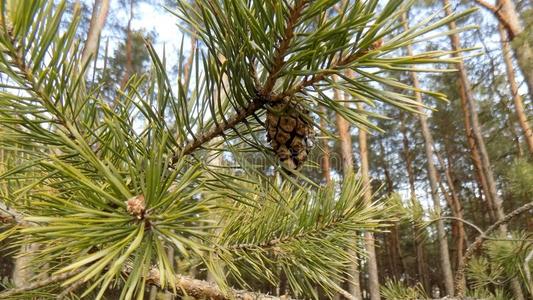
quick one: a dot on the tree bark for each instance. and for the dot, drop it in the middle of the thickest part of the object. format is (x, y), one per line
(345, 139)
(480, 142)
(517, 99)
(444, 254)
(505, 12)
(98, 19)
(373, 279)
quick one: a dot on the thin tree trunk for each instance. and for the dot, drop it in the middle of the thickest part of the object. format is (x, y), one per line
(454, 230)
(505, 12)
(517, 99)
(444, 254)
(476, 130)
(98, 19)
(373, 279)
(475, 156)
(345, 139)
(188, 66)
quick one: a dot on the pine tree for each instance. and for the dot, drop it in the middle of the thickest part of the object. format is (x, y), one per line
(103, 191)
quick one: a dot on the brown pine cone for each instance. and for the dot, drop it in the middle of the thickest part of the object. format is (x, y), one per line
(290, 133)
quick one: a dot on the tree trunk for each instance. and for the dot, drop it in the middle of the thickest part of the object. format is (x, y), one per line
(474, 154)
(354, 286)
(478, 137)
(373, 279)
(476, 127)
(517, 99)
(444, 254)
(505, 12)
(98, 19)
(188, 66)
(422, 271)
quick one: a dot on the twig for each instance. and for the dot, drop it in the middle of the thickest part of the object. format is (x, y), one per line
(460, 220)
(64, 294)
(460, 273)
(219, 129)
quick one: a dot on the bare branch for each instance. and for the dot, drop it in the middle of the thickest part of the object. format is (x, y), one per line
(496, 10)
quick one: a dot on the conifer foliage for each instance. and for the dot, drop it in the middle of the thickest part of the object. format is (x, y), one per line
(104, 187)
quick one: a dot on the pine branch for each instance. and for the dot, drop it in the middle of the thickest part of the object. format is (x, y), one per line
(259, 102)
(275, 242)
(323, 74)
(218, 130)
(26, 73)
(294, 15)
(200, 289)
(264, 96)
(184, 285)
(459, 276)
